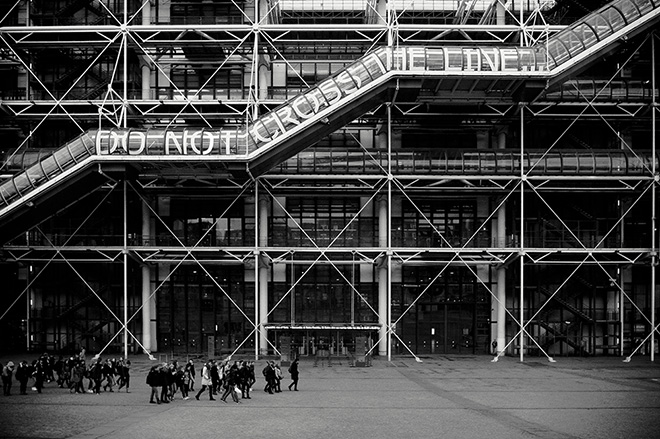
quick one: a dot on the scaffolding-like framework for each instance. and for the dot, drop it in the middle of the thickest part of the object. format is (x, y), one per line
(142, 64)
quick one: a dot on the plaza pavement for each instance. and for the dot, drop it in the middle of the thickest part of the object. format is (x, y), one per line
(451, 397)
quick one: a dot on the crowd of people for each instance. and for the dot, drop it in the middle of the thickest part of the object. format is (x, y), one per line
(225, 379)
(71, 374)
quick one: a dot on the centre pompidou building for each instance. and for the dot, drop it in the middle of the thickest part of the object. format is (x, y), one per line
(352, 177)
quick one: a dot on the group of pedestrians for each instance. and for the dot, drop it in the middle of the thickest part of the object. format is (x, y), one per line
(166, 379)
(227, 378)
(219, 378)
(39, 370)
(99, 373)
(273, 375)
(71, 373)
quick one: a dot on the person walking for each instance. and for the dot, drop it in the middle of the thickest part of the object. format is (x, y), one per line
(244, 379)
(251, 376)
(180, 381)
(39, 374)
(153, 381)
(124, 374)
(278, 378)
(7, 375)
(23, 373)
(293, 370)
(269, 375)
(165, 381)
(191, 363)
(77, 375)
(231, 382)
(96, 375)
(215, 377)
(206, 381)
(187, 379)
(108, 374)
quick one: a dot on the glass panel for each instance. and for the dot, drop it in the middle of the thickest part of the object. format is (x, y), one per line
(573, 42)
(636, 165)
(536, 163)
(63, 158)
(306, 161)
(644, 5)
(22, 183)
(471, 161)
(614, 18)
(600, 26)
(557, 51)
(236, 225)
(553, 163)
(629, 10)
(586, 34)
(360, 73)
(36, 174)
(222, 231)
(50, 166)
(435, 60)
(603, 163)
(5, 195)
(586, 163)
(527, 59)
(504, 162)
(619, 164)
(570, 162)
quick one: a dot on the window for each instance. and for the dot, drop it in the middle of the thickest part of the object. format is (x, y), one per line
(437, 223)
(325, 221)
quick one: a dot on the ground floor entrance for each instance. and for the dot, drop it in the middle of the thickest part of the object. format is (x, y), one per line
(444, 328)
(321, 341)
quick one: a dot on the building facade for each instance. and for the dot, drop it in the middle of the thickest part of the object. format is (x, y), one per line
(352, 177)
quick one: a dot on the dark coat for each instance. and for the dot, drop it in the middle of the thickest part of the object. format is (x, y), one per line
(153, 379)
(293, 370)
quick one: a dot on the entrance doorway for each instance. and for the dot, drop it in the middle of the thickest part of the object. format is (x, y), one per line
(437, 328)
(313, 340)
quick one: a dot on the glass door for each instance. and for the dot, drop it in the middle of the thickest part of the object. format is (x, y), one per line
(459, 327)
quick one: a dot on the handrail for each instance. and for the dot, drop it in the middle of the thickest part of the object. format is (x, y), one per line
(471, 162)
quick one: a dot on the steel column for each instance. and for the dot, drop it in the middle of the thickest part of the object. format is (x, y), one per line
(257, 322)
(501, 271)
(146, 281)
(522, 230)
(653, 201)
(382, 271)
(389, 233)
(262, 207)
(125, 254)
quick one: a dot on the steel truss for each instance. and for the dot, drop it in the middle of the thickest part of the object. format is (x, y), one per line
(257, 43)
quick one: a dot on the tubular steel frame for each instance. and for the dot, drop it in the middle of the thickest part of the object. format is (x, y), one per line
(118, 108)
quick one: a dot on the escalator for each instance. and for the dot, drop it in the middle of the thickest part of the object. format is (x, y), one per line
(333, 103)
